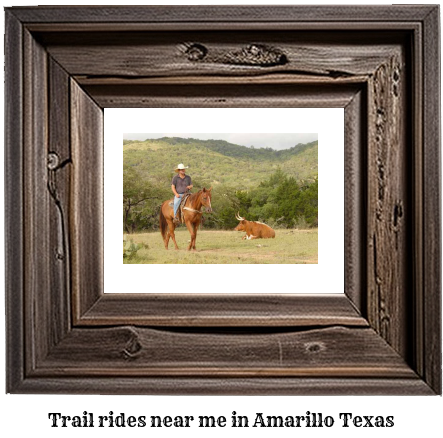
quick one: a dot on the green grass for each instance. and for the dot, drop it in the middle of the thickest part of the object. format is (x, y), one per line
(223, 247)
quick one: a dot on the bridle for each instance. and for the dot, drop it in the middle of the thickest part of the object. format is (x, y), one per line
(193, 210)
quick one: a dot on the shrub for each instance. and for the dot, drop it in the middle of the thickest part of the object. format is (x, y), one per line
(130, 248)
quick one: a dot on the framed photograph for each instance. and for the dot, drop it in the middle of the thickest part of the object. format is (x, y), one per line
(225, 187)
(375, 326)
(270, 179)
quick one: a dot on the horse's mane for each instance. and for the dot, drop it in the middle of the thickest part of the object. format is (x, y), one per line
(194, 196)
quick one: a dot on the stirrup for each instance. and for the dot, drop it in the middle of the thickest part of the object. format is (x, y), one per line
(176, 220)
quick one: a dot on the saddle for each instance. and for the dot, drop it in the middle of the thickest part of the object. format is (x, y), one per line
(180, 207)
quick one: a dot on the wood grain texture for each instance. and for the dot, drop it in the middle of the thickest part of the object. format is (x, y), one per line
(59, 166)
(231, 26)
(232, 310)
(37, 259)
(14, 239)
(431, 318)
(170, 54)
(55, 92)
(355, 187)
(225, 96)
(288, 386)
(388, 204)
(275, 78)
(128, 351)
(417, 358)
(227, 14)
(86, 208)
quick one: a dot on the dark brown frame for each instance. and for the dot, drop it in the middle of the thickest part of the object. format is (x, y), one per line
(64, 65)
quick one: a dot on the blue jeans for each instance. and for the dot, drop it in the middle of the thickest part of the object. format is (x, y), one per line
(177, 203)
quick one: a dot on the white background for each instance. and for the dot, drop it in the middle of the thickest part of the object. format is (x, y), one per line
(26, 415)
(325, 277)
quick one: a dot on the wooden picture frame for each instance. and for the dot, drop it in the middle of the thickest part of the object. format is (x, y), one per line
(379, 63)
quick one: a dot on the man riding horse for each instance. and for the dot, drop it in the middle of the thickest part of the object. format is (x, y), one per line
(192, 208)
(181, 183)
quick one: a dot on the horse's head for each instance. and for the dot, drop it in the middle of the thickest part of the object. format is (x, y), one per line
(206, 199)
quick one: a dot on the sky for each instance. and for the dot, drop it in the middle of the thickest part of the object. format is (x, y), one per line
(274, 141)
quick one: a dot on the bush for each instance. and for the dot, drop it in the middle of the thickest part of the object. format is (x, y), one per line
(130, 248)
(301, 224)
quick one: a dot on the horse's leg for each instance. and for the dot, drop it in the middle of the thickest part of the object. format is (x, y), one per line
(195, 235)
(191, 229)
(171, 233)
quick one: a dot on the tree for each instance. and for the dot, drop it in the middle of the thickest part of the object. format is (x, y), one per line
(136, 191)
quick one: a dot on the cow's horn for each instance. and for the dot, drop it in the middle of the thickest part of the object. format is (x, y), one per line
(239, 218)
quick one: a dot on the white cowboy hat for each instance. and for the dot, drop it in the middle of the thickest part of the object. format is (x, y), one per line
(180, 167)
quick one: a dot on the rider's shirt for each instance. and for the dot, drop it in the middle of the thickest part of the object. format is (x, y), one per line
(181, 184)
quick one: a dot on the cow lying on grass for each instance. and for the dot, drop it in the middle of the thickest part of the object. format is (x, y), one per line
(254, 230)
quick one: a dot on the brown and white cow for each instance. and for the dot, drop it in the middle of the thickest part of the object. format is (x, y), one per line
(254, 230)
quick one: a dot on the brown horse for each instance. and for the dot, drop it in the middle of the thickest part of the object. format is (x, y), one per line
(192, 216)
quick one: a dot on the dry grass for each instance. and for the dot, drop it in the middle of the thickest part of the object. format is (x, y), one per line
(222, 247)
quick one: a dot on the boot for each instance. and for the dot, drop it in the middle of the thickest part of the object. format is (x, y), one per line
(176, 220)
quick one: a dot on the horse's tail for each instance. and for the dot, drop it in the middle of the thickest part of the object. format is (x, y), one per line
(163, 223)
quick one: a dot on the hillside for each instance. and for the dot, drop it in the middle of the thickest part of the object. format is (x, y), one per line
(213, 162)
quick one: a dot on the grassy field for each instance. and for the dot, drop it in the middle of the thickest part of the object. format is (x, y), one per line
(289, 246)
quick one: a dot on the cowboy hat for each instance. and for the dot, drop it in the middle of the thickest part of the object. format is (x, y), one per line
(180, 167)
